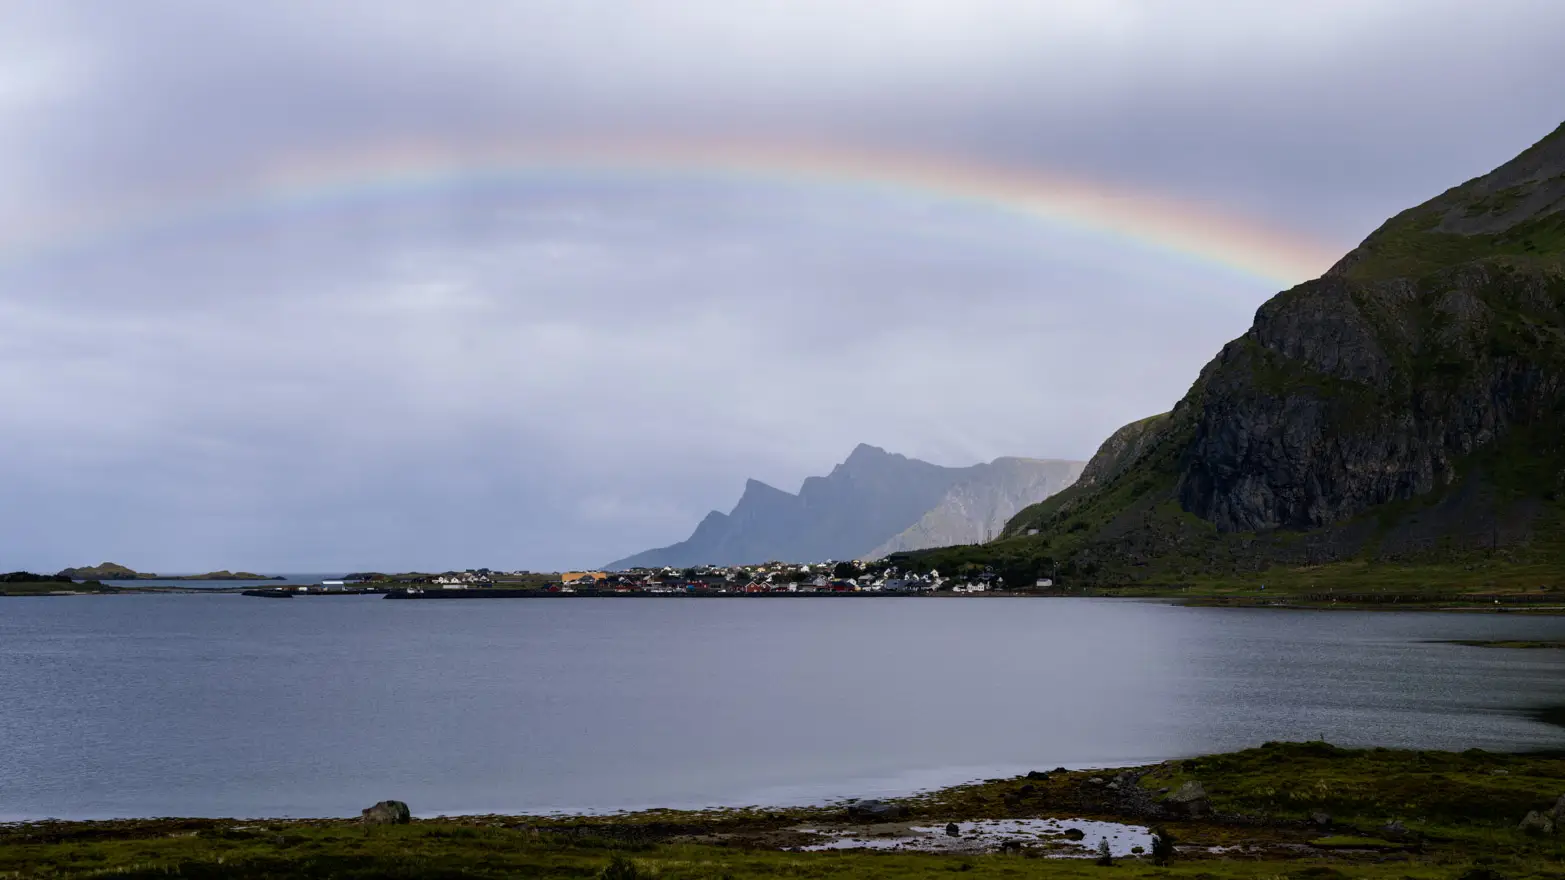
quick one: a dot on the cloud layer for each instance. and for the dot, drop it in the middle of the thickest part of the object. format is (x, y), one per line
(557, 372)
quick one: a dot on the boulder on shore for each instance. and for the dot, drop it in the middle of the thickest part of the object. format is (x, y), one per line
(387, 813)
(873, 809)
(1189, 800)
(1537, 824)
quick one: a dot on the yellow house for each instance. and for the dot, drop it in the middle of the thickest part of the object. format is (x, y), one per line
(571, 577)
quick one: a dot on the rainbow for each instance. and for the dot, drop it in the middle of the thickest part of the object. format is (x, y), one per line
(410, 171)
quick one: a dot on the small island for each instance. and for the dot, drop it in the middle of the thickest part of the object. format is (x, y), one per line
(113, 571)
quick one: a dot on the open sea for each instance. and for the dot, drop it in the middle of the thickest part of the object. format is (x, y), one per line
(222, 705)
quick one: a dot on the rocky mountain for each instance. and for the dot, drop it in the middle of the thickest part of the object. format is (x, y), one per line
(1408, 405)
(977, 507)
(873, 499)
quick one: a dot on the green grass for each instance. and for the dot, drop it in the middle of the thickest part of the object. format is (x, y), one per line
(1460, 812)
(1471, 795)
(46, 588)
(1348, 841)
(431, 850)
(1412, 250)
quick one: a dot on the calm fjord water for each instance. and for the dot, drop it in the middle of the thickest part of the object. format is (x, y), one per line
(228, 706)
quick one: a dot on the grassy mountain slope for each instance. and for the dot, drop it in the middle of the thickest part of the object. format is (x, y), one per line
(1405, 408)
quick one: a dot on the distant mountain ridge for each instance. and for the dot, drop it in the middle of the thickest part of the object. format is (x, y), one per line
(872, 500)
(977, 507)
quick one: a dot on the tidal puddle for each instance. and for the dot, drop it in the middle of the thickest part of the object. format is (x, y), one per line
(992, 835)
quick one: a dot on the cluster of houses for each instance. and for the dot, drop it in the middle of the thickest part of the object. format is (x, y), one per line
(775, 577)
(451, 580)
(826, 577)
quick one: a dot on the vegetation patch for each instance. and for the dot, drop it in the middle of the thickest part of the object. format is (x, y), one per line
(1348, 841)
(1448, 814)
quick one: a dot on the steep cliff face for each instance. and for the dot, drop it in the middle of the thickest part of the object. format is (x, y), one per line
(1411, 400)
(1439, 335)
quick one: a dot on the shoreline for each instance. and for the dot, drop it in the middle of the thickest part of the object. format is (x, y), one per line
(1275, 809)
(1523, 604)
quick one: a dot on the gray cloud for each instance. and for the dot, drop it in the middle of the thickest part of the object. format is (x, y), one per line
(559, 372)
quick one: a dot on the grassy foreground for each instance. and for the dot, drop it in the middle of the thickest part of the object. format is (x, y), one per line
(1392, 814)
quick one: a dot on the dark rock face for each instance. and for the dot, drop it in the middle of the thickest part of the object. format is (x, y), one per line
(387, 813)
(1436, 337)
(1348, 394)
(1428, 364)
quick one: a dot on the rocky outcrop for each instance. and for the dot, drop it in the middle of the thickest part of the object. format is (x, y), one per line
(1189, 800)
(387, 813)
(1346, 394)
(875, 811)
(1409, 402)
(1437, 337)
(1536, 824)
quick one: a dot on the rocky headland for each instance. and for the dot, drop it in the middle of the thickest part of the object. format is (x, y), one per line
(1406, 408)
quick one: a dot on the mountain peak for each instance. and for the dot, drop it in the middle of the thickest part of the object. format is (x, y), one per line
(864, 451)
(868, 499)
(755, 490)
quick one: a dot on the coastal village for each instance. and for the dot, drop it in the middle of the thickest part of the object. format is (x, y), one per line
(883, 576)
(774, 577)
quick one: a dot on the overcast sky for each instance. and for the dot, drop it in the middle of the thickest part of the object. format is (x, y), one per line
(559, 371)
